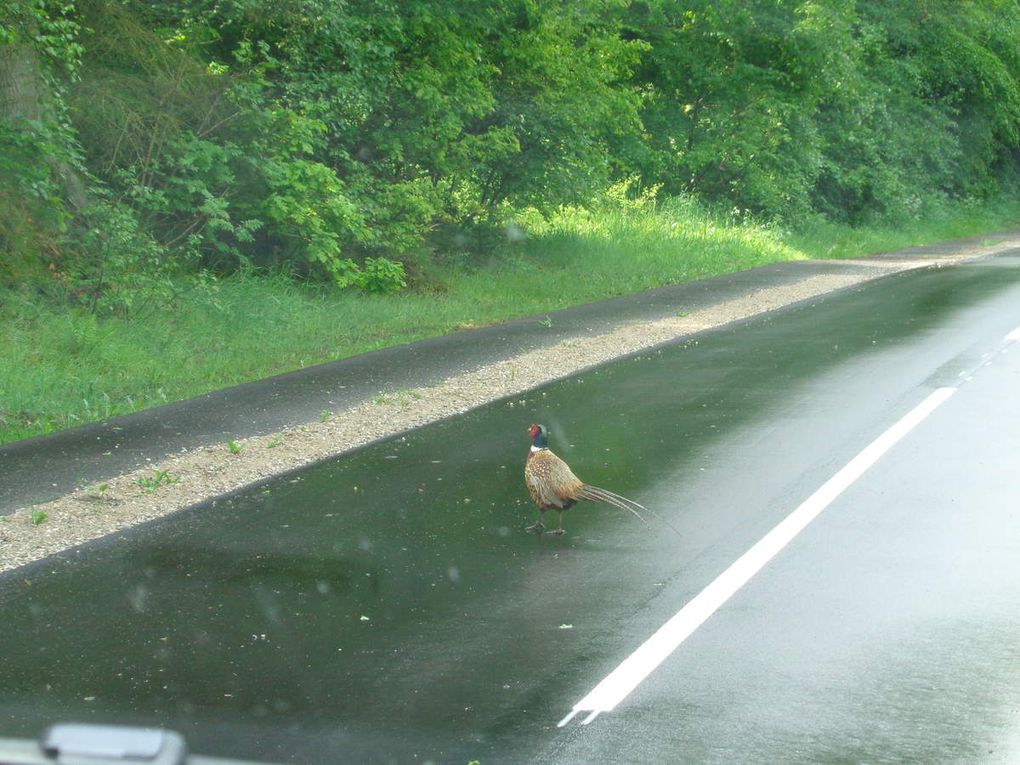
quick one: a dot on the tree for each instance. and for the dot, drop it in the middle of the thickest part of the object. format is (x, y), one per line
(38, 154)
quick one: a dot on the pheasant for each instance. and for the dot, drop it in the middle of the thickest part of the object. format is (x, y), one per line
(553, 485)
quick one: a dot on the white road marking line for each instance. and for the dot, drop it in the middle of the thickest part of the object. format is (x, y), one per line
(1014, 336)
(619, 683)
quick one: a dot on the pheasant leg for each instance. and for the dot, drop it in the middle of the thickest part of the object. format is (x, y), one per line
(537, 527)
(559, 526)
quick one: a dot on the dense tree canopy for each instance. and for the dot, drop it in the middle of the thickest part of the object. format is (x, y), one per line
(348, 139)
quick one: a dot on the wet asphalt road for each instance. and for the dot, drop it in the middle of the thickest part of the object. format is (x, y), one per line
(387, 606)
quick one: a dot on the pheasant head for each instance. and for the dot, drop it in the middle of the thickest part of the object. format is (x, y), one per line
(539, 439)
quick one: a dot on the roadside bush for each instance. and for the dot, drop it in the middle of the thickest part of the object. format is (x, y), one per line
(381, 276)
(118, 269)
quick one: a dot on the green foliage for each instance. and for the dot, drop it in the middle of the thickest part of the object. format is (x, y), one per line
(964, 66)
(366, 145)
(49, 27)
(40, 54)
(381, 276)
(151, 484)
(24, 150)
(725, 102)
(32, 213)
(118, 268)
(307, 203)
(851, 109)
(431, 114)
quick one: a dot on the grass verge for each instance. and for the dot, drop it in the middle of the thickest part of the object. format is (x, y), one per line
(61, 367)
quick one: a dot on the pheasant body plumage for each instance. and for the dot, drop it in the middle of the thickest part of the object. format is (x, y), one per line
(553, 485)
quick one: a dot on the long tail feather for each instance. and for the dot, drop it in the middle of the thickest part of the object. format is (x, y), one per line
(598, 494)
(595, 494)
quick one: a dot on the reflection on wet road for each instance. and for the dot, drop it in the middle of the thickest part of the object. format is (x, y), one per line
(388, 607)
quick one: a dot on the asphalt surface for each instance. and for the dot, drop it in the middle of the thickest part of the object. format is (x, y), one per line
(387, 606)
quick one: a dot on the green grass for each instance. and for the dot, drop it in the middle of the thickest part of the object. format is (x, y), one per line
(149, 484)
(62, 367)
(945, 222)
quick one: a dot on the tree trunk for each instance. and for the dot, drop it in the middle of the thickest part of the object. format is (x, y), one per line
(25, 103)
(20, 81)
